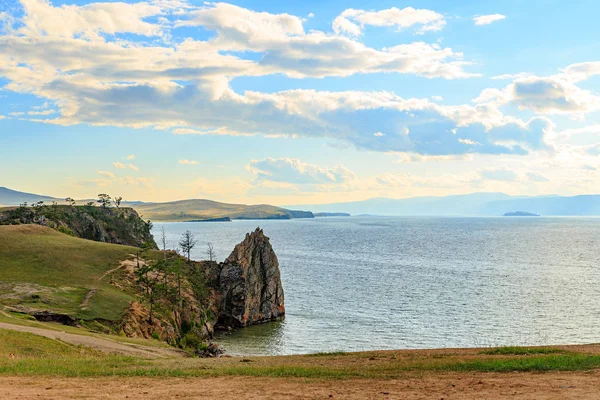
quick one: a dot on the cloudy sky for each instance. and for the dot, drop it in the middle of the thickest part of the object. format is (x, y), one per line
(299, 102)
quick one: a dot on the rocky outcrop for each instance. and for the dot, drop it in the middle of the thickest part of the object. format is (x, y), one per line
(250, 284)
(101, 224)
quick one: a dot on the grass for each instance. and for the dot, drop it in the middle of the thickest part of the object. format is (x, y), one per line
(516, 351)
(55, 272)
(32, 347)
(38, 356)
(27, 320)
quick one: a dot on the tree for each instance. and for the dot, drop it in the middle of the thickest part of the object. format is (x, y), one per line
(105, 200)
(187, 243)
(118, 201)
(70, 201)
(210, 252)
(149, 276)
(163, 241)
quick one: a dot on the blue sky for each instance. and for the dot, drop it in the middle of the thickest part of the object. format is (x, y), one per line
(299, 102)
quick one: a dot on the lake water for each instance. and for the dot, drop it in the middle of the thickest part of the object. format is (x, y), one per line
(364, 283)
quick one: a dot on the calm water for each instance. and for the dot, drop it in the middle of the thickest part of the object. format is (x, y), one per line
(364, 283)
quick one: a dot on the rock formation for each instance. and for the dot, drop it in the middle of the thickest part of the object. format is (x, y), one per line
(250, 284)
(110, 225)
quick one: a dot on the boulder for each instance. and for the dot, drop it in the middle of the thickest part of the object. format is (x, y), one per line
(250, 284)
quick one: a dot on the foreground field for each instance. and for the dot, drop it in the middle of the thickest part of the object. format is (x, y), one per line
(427, 386)
(32, 366)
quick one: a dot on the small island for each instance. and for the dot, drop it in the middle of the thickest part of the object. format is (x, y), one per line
(331, 214)
(521, 214)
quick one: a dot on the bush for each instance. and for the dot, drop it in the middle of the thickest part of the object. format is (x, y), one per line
(192, 340)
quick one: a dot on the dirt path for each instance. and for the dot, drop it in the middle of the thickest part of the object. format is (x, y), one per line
(105, 345)
(88, 296)
(129, 263)
(449, 386)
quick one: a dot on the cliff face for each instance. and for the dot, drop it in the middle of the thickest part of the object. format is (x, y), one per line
(109, 225)
(250, 284)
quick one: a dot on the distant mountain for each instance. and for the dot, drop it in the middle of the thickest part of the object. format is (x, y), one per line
(468, 204)
(9, 197)
(475, 204)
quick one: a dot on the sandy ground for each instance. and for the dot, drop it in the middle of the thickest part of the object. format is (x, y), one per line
(578, 385)
(105, 345)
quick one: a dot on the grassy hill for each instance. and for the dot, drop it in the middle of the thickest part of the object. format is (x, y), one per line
(189, 210)
(43, 269)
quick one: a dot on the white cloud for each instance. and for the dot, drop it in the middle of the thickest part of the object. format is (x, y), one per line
(555, 94)
(352, 21)
(94, 75)
(133, 167)
(2, 117)
(488, 19)
(409, 125)
(88, 21)
(136, 181)
(500, 174)
(131, 157)
(582, 71)
(535, 177)
(188, 162)
(42, 113)
(119, 165)
(378, 134)
(107, 174)
(294, 171)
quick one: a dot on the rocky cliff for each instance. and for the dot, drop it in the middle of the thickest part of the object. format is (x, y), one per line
(249, 284)
(109, 225)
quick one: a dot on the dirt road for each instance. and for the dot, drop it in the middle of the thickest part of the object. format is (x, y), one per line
(577, 385)
(106, 345)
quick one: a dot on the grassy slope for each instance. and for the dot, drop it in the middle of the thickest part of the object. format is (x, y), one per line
(64, 267)
(186, 210)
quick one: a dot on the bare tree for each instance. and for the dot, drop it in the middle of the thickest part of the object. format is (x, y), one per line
(117, 201)
(210, 252)
(163, 240)
(105, 200)
(187, 243)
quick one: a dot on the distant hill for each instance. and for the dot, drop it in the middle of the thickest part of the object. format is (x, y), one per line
(475, 204)
(558, 205)
(183, 210)
(9, 197)
(520, 214)
(200, 209)
(330, 214)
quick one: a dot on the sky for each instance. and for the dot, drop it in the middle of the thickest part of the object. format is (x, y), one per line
(299, 102)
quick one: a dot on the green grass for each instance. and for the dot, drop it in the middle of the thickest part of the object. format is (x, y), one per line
(514, 350)
(65, 268)
(563, 362)
(327, 354)
(29, 346)
(38, 356)
(27, 320)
